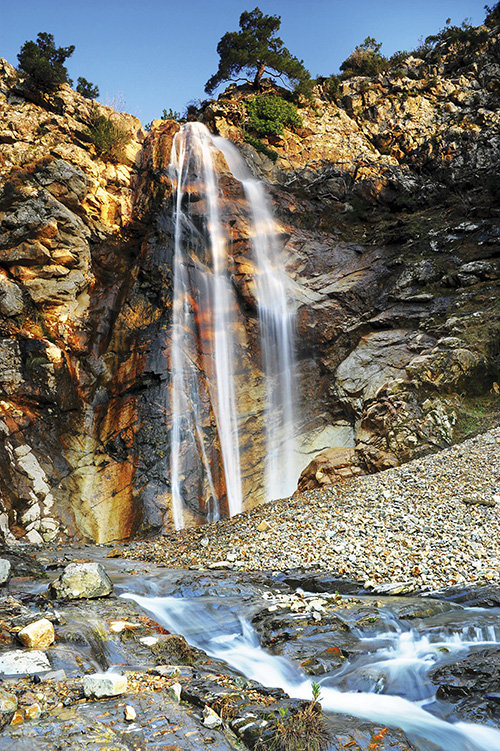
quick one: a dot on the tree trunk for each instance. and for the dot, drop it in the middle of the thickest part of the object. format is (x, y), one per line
(260, 72)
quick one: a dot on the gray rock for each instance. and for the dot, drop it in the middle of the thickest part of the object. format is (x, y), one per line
(11, 298)
(104, 684)
(5, 569)
(174, 691)
(82, 580)
(19, 662)
(211, 719)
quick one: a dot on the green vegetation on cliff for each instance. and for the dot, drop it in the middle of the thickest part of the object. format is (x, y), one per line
(267, 114)
(44, 64)
(109, 140)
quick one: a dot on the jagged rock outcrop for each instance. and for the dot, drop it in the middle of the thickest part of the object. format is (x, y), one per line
(425, 126)
(71, 230)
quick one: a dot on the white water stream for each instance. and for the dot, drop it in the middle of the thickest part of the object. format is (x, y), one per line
(206, 351)
(233, 639)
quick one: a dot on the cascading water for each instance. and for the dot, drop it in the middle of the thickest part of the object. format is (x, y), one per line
(222, 635)
(212, 357)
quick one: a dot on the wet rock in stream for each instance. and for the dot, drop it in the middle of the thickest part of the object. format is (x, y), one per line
(472, 685)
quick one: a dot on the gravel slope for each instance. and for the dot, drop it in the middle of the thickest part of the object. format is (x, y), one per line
(431, 523)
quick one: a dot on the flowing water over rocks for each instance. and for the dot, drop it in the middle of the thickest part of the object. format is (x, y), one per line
(405, 673)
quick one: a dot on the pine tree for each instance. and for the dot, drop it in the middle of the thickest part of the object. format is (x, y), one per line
(255, 50)
(44, 62)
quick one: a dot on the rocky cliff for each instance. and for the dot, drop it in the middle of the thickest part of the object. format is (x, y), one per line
(79, 310)
(387, 197)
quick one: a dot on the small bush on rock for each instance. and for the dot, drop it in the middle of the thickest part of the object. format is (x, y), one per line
(87, 89)
(305, 730)
(331, 87)
(365, 60)
(459, 39)
(109, 140)
(268, 114)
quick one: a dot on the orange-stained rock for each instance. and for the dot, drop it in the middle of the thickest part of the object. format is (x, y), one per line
(37, 635)
(330, 467)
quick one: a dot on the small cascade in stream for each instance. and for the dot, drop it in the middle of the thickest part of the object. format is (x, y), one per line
(232, 383)
(223, 635)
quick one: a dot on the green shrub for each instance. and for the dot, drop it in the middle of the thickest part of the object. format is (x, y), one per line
(461, 39)
(268, 114)
(87, 89)
(171, 115)
(398, 58)
(365, 60)
(493, 15)
(331, 87)
(109, 140)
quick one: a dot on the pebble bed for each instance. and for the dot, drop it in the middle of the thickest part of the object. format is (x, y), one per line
(431, 523)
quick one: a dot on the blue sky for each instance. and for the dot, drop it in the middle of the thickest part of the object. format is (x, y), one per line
(147, 55)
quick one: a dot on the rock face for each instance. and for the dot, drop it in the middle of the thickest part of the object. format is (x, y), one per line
(74, 353)
(431, 118)
(386, 202)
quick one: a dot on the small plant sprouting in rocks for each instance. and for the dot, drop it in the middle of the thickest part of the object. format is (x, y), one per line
(108, 138)
(305, 730)
(316, 692)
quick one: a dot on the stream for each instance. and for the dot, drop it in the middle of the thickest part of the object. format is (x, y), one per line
(387, 681)
(426, 667)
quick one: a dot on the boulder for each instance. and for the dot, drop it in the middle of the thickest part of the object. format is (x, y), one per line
(471, 685)
(82, 580)
(19, 662)
(329, 467)
(37, 635)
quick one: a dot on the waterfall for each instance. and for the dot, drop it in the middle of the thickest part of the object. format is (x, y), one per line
(220, 405)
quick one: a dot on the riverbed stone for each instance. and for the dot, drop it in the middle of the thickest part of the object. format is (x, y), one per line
(104, 684)
(130, 714)
(8, 702)
(19, 662)
(37, 635)
(82, 580)
(211, 719)
(175, 691)
(5, 570)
